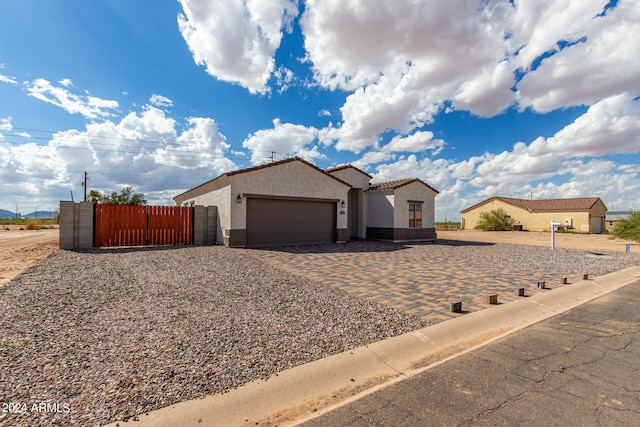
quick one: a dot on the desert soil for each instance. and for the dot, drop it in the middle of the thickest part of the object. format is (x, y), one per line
(20, 249)
(587, 242)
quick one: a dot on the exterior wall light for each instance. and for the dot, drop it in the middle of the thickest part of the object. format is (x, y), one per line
(239, 198)
(342, 203)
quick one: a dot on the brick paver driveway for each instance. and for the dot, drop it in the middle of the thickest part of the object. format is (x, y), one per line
(420, 279)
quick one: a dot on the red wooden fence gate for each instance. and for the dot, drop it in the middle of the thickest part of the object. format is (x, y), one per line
(123, 225)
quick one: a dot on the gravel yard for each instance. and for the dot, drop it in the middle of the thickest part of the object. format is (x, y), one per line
(112, 334)
(107, 335)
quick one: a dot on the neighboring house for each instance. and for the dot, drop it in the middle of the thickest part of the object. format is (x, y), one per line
(613, 217)
(294, 202)
(585, 214)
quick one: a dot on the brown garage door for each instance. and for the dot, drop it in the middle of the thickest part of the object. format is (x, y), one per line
(290, 222)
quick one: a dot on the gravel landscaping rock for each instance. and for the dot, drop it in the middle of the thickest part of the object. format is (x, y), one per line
(94, 337)
(107, 335)
(560, 261)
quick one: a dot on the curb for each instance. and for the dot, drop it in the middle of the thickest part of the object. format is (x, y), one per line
(304, 392)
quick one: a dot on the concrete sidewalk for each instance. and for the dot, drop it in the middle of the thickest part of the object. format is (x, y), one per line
(303, 391)
(579, 368)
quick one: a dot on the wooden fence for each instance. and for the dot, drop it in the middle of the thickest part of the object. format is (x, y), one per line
(123, 225)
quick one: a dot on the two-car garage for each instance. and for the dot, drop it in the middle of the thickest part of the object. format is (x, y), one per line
(283, 221)
(289, 202)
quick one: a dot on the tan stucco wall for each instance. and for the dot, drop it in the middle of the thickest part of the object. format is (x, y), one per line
(418, 192)
(291, 179)
(535, 221)
(379, 208)
(352, 177)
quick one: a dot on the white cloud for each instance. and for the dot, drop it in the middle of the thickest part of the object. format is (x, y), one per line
(8, 79)
(66, 82)
(603, 65)
(144, 150)
(236, 41)
(5, 124)
(402, 63)
(559, 166)
(88, 106)
(284, 78)
(610, 126)
(160, 101)
(285, 139)
(417, 142)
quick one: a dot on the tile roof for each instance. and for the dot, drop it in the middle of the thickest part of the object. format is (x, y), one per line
(575, 204)
(264, 166)
(349, 166)
(397, 183)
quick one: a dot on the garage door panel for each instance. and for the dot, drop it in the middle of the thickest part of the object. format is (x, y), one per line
(282, 222)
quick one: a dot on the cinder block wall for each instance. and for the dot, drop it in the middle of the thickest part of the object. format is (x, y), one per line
(76, 225)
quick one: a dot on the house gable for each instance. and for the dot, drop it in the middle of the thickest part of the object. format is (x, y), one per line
(351, 174)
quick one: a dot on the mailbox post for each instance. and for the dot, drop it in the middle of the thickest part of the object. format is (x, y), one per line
(553, 234)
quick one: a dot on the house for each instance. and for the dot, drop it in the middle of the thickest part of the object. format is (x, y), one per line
(613, 217)
(585, 214)
(295, 202)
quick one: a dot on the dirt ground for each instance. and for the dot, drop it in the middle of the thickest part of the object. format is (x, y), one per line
(20, 249)
(587, 242)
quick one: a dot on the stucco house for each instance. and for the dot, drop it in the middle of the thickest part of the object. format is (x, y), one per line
(613, 217)
(295, 202)
(586, 214)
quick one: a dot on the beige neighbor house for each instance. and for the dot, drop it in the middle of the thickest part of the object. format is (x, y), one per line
(585, 214)
(294, 202)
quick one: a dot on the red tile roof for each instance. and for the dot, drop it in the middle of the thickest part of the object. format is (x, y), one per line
(575, 204)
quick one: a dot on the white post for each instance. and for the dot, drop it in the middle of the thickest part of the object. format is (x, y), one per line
(553, 234)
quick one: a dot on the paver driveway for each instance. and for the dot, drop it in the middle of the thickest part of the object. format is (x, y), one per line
(420, 279)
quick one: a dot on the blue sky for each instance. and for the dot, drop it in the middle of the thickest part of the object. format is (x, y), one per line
(477, 98)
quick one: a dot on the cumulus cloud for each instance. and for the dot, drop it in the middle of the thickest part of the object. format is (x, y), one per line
(90, 107)
(236, 41)
(402, 64)
(285, 139)
(602, 65)
(417, 142)
(144, 150)
(567, 164)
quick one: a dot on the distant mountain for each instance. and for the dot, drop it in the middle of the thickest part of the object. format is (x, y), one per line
(40, 214)
(7, 214)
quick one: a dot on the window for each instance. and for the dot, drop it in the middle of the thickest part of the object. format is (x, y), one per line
(415, 215)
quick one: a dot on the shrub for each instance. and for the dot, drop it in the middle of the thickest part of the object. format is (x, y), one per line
(495, 220)
(33, 224)
(628, 228)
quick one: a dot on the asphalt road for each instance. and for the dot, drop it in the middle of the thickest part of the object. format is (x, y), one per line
(580, 368)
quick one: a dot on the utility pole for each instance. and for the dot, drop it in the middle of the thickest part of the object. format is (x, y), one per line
(84, 184)
(272, 153)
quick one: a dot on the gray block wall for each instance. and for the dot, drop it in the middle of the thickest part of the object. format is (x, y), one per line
(76, 225)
